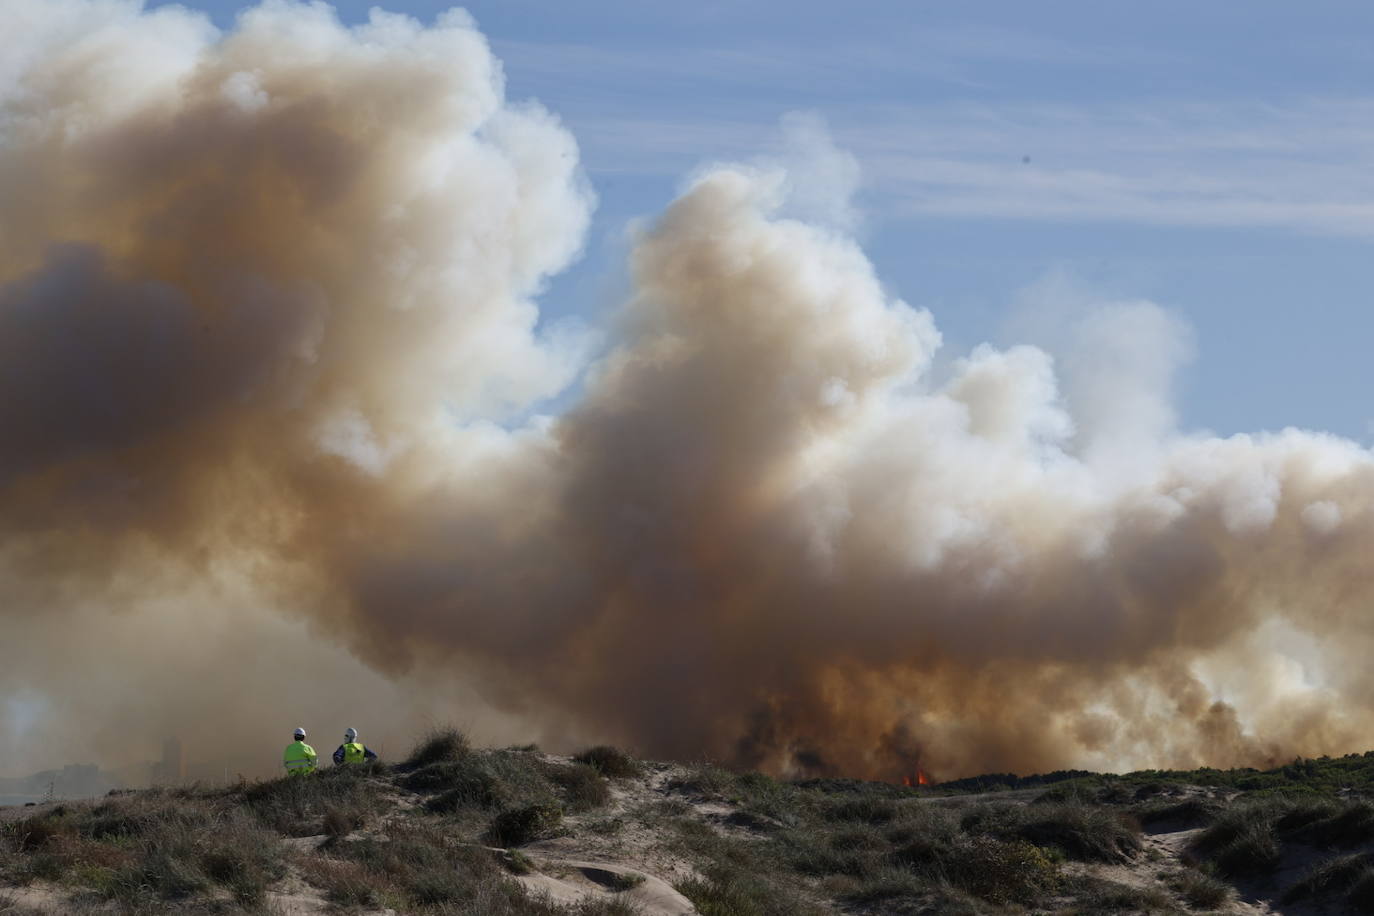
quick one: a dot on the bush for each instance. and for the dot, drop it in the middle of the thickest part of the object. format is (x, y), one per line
(39, 832)
(885, 886)
(1186, 813)
(704, 781)
(1241, 841)
(439, 746)
(242, 857)
(439, 777)
(1305, 812)
(1348, 826)
(1255, 851)
(523, 777)
(296, 805)
(340, 822)
(1098, 895)
(517, 862)
(610, 762)
(727, 890)
(857, 852)
(1199, 891)
(1332, 876)
(467, 783)
(583, 786)
(519, 826)
(862, 808)
(347, 884)
(999, 871)
(1082, 832)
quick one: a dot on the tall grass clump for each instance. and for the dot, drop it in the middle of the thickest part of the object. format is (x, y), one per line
(441, 745)
(518, 826)
(610, 762)
(1241, 841)
(583, 787)
(298, 805)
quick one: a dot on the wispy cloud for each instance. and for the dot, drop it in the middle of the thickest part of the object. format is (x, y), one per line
(816, 65)
(1305, 165)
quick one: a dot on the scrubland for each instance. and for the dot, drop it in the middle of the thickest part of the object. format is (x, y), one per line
(459, 830)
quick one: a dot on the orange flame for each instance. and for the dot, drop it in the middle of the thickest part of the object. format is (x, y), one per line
(920, 779)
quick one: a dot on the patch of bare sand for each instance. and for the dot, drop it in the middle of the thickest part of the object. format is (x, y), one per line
(36, 899)
(571, 882)
(606, 848)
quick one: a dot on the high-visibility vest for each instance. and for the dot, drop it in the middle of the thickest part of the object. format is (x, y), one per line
(354, 752)
(299, 758)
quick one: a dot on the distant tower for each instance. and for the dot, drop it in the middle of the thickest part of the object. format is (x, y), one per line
(173, 768)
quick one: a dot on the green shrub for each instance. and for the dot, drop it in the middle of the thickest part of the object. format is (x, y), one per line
(340, 822)
(523, 777)
(704, 781)
(1254, 851)
(886, 885)
(863, 808)
(1098, 895)
(1351, 825)
(518, 863)
(1306, 812)
(1188, 812)
(1200, 891)
(998, 871)
(519, 826)
(1082, 832)
(728, 890)
(467, 783)
(583, 786)
(610, 762)
(39, 832)
(1239, 820)
(296, 805)
(1334, 875)
(476, 795)
(856, 851)
(439, 746)
(347, 884)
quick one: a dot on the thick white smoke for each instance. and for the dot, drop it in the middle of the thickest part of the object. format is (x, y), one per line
(268, 319)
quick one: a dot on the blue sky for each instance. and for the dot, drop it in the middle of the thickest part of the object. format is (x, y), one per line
(1215, 158)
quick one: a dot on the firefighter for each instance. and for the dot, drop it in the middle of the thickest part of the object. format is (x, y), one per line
(299, 757)
(352, 751)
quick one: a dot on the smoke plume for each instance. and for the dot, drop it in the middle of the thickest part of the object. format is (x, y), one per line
(271, 367)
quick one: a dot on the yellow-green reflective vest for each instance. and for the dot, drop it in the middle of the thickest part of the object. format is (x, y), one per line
(299, 758)
(353, 752)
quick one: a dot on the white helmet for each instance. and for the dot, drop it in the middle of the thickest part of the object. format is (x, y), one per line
(350, 733)
(299, 733)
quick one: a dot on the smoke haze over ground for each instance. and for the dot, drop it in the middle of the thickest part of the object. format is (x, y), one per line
(271, 449)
